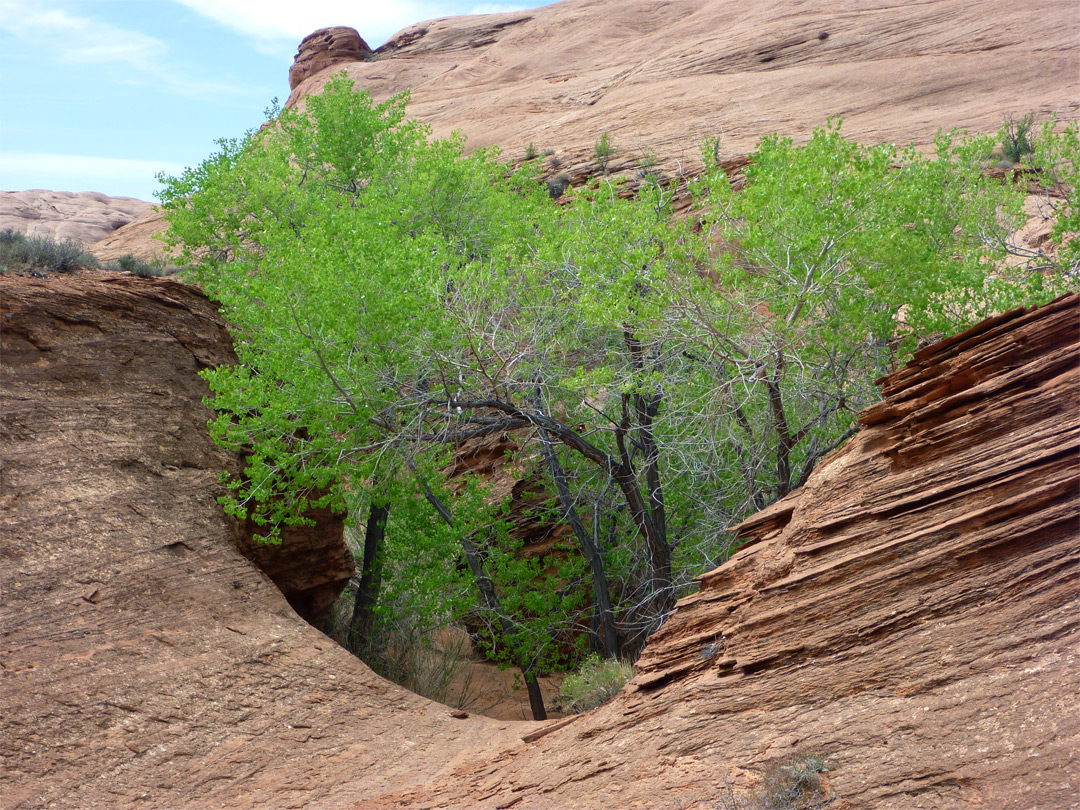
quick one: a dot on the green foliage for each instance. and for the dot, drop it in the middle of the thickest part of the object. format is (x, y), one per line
(332, 240)
(392, 299)
(1016, 139)
(19, 252)
(594, 683)
(603, 150)
(530, 151)
(1056, 159)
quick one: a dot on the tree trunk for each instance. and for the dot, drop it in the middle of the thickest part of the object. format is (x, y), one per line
(367, 591)
(491, 602)
(609, 638)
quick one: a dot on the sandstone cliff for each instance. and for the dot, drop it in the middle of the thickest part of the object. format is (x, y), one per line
(662, 77)
(909, 614)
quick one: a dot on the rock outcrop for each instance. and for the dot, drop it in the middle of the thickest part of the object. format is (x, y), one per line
(85, 216)
(324, 49)
(140, 643)
(135, 238)
(910, 614)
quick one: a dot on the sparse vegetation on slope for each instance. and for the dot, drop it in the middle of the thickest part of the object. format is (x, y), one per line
(22, 253)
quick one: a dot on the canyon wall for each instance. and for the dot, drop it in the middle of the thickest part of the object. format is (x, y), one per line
(909, 615)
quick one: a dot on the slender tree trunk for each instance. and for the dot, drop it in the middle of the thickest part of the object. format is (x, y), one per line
(367, 592)
(783, 432)
(492, 603)
(656, 542)
(609, 637)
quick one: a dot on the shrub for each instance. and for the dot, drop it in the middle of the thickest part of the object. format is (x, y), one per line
(1016, 138)
(530, 151)
(557, 185)
(21, 252)
(795, 783)
(595, 683)
(603, 151)
(155, 268)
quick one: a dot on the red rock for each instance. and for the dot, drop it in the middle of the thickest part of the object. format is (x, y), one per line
(661, 77)
(324, 49)
(910, 613)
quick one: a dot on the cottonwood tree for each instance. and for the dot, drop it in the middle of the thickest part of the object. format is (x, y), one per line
(392, 298)
(329, 238)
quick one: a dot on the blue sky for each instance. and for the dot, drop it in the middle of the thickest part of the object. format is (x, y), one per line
(100, 95)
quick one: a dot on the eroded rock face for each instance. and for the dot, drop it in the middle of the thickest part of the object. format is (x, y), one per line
(324, 49)
(139, 645)
(85, 216)
(911, 614)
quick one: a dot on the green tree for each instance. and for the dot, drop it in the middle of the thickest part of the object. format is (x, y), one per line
(392, 298)
(330, 239)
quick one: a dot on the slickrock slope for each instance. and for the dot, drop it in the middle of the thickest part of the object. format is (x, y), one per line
(144, 661)
(911, 614)
(136, 238)
(662, 77)
(85, 216)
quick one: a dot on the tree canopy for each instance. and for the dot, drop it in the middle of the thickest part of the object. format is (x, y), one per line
(393, 297)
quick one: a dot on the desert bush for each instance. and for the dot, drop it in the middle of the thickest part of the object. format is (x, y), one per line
(21, 252)
(1016, 138)
(530, 151)
(603, 149)
(155, 268)
(794, 784)
(595, 683)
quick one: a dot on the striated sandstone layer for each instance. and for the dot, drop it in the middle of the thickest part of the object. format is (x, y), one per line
(86, 216)
(910, 614)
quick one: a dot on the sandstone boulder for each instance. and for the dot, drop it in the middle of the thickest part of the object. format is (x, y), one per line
(325, 48)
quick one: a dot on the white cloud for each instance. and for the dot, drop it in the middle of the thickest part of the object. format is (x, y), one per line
(83, 40)
(275, 21)
(78, 39)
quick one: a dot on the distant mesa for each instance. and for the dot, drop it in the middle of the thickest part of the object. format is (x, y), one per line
(85, 216)
(325, 48)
